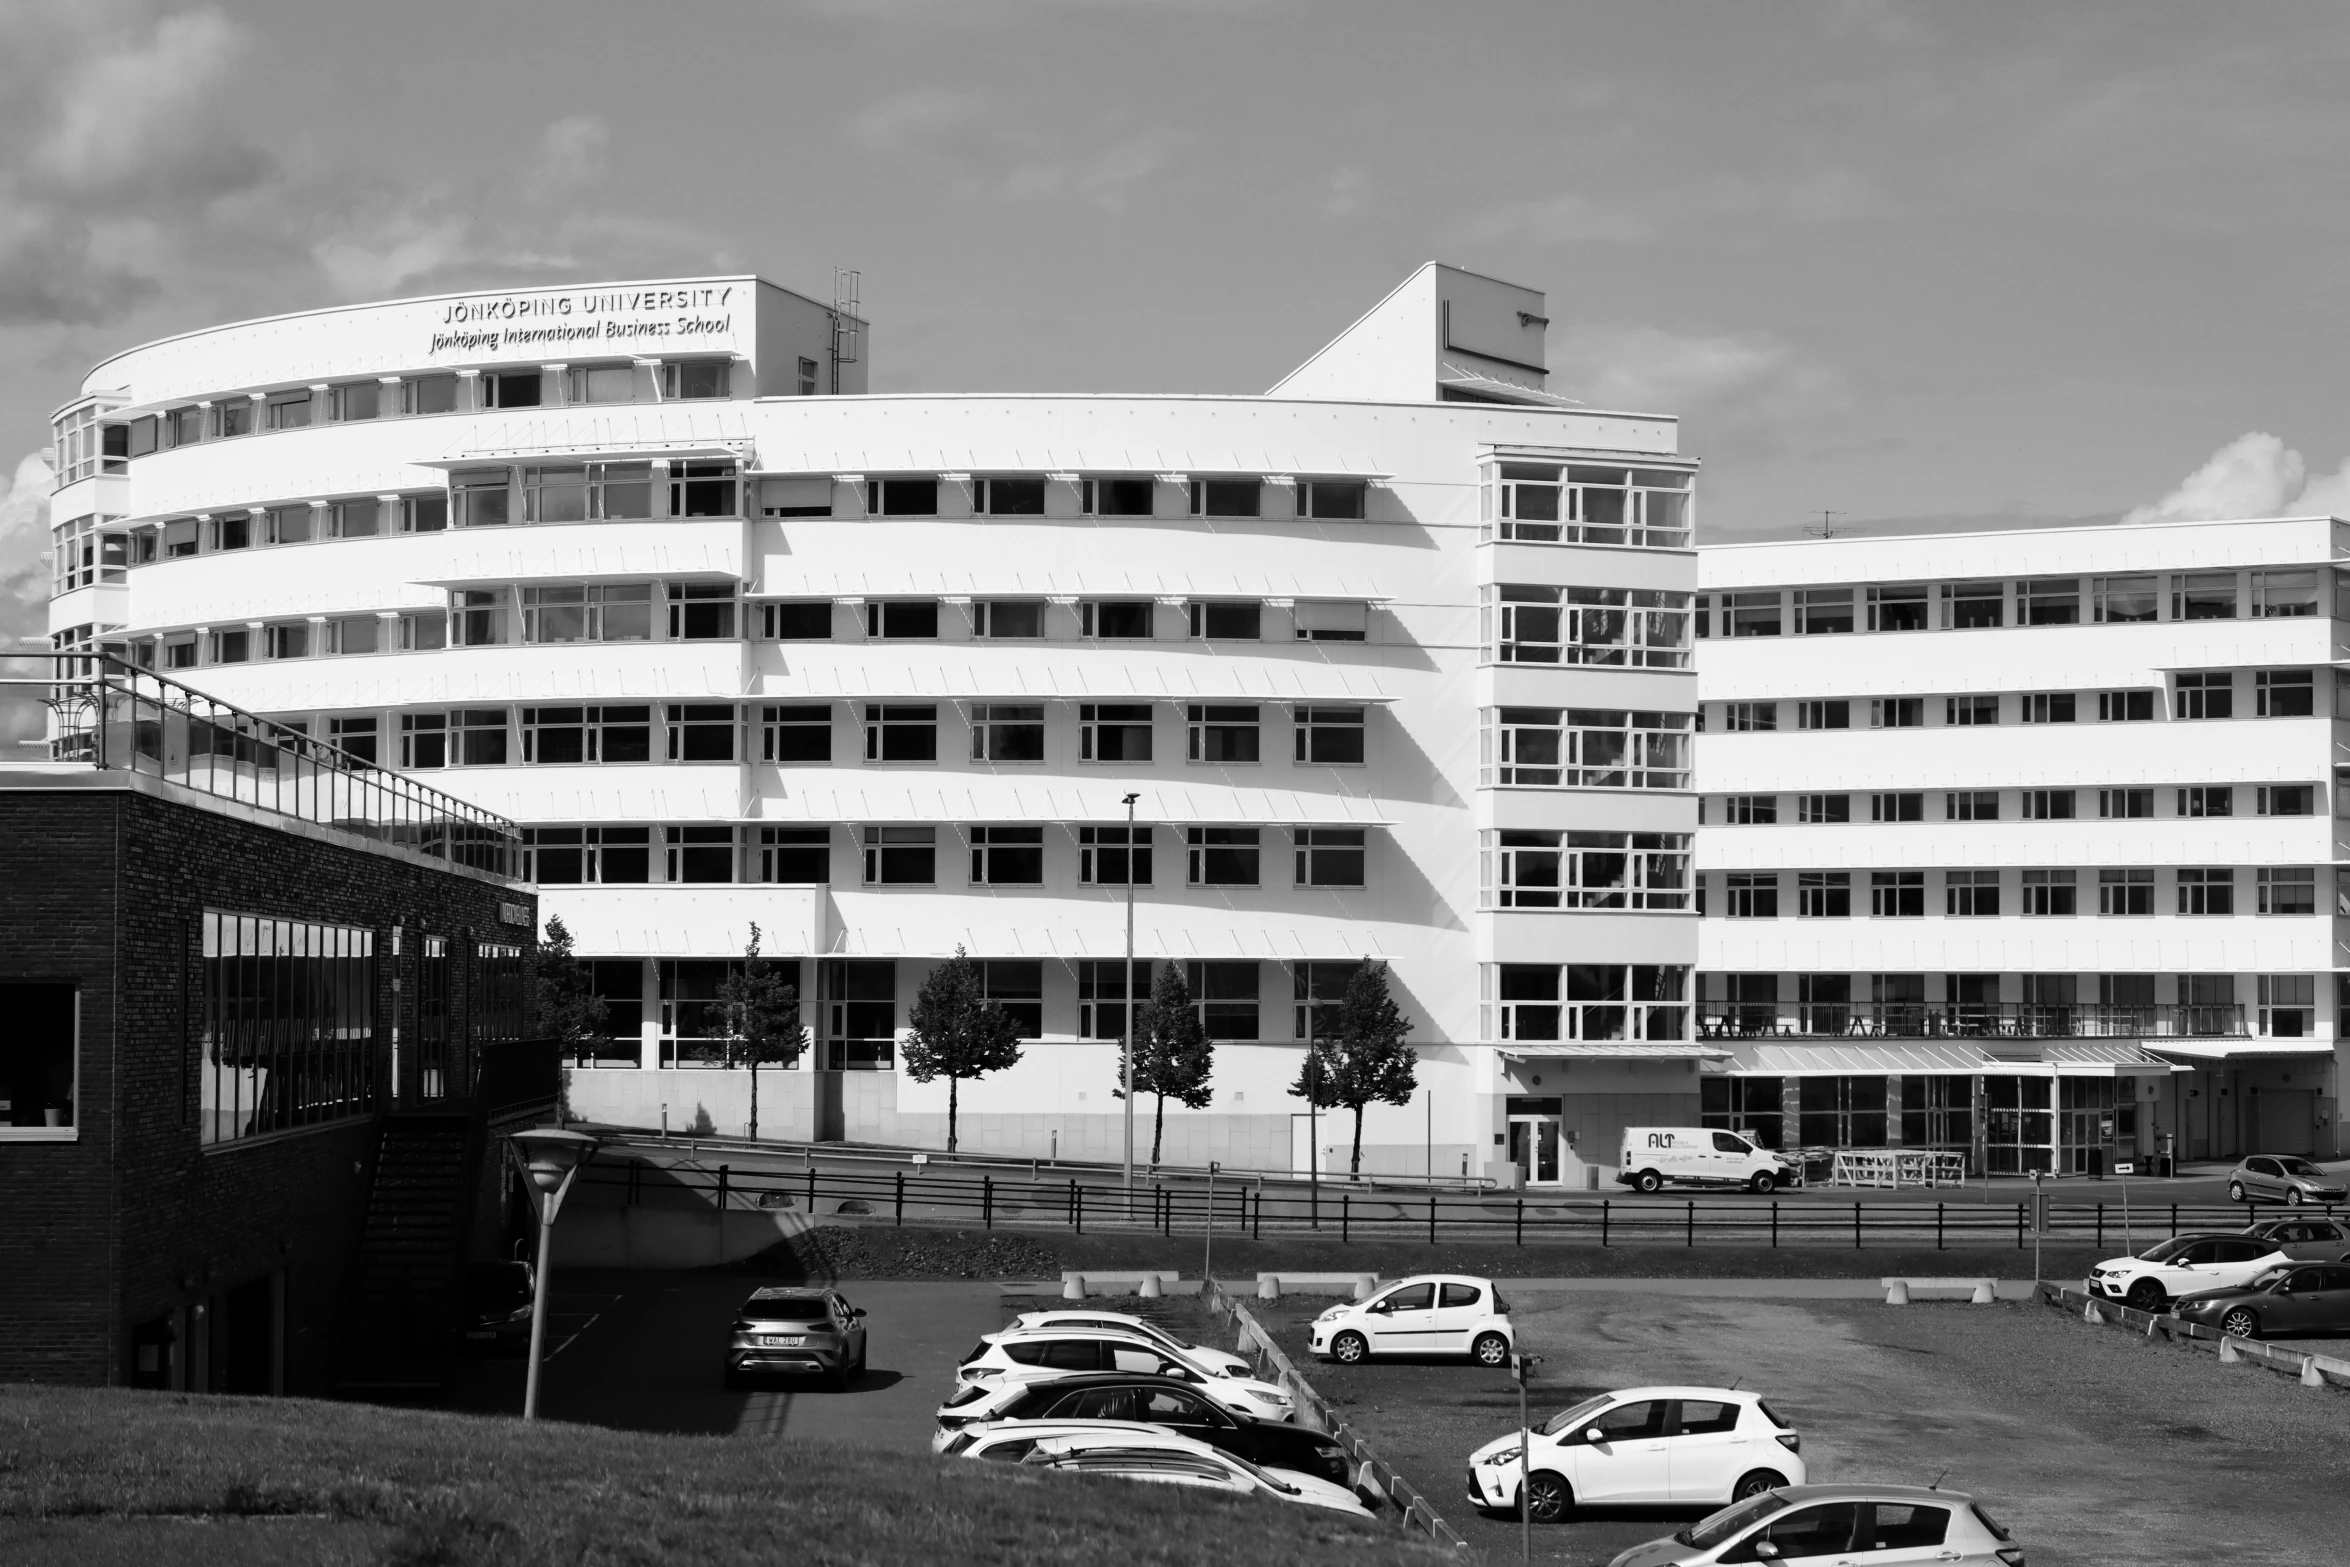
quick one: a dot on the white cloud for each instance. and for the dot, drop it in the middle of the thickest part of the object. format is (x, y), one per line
(1650, 370)
(2254, 475)
(2328, 495)
(137, 101)
(24, 585)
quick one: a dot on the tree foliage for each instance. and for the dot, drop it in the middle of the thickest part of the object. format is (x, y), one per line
(564, 994)
(1173, 1056)
(759, 1011)
(958, 1032)
(1364, 1059)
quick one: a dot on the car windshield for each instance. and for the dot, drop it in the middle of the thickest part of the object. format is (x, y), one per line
(1566, 1418)
(1711, 1531)
(2302, 1167)
(2164, 1251)
(786, 1303)
(2268, 1278)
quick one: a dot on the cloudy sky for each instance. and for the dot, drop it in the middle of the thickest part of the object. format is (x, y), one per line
(1917, 264)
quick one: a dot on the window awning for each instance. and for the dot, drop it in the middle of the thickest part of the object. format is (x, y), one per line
(1038, 678)
(2205, 1051)
(1613, 1050)
(984, 798)
(1011, 580)
(2104, 1058)
(1480, 385)
(557, 454)
(1923, 1058)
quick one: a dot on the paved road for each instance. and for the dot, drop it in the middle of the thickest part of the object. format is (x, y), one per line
(644, 1352)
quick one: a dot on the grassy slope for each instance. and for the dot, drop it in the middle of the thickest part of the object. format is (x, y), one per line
(86, 1472)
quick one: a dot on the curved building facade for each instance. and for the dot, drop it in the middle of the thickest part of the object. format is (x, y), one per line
(1394, 660)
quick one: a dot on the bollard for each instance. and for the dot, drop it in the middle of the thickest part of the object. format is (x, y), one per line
(2228, 1353)
(2310, 1375)
(1898, 1294)
(2089, 1312)
(1150, 1287)
(2152, 1322)
(1983, 1295)
(1268, 1287)
(1073, 1287)
(1365, 1283)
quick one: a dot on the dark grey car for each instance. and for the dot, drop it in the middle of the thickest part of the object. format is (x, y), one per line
(2286, 1301)
(2286, 1178)
(2310, 1238)
(796, 1332)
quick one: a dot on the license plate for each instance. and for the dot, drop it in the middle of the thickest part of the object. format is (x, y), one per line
(781, 1340)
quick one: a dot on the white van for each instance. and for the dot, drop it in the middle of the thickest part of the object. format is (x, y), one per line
(1698, 1156)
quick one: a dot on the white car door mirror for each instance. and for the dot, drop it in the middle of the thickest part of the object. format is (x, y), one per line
(1594, 1434)
(1765, 1551)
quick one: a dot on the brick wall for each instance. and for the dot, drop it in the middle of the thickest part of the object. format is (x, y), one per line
(105, 888)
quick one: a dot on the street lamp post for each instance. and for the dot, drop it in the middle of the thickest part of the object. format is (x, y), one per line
(551, 1159)
(1525, 1369)
(1130, 1004)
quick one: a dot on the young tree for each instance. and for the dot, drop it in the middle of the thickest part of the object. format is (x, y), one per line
(761, 1014)
(1365, 1058)
(958, 1032)
(564, 994)
(1173, 1055)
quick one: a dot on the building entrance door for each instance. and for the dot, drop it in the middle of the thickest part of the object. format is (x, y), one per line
(1534, 1148)
(2287, 1120)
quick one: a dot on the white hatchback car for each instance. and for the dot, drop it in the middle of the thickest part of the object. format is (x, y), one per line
(1428, 1314)
(1040, 1354)
(1826, 1525)
(1643, 1446)
(1229, 1364)
(1166, 1458)
(2183, 1265)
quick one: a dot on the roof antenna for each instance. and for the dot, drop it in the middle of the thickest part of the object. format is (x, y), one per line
(1827, 528)
(1938, 1479)
(1733, 1387)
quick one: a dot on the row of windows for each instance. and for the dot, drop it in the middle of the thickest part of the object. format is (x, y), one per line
(914, 856)
(1583, 748)
(1588, 503)
(1991, 805)
(1588, 1001)
(1624, 627)
(2042, 601)
(2197, 694)
(1584, 870)
(1973, 1003)
(1030, 495)
(2121, 891)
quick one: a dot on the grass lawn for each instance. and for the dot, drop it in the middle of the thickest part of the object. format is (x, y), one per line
(106, 1476)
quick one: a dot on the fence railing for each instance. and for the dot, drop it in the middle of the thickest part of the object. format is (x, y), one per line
(1984, 1020)
(1013, 1202)
(114, 715)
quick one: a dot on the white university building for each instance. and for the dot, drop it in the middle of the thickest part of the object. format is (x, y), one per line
(1400, 660)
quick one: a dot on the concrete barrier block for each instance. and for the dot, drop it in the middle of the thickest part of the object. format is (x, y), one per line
(2228, 1354)
(1365, 1285)
(2090, 1313)
(1898, 1293)
(1268, 1287)
(1073, 1286)
(1150, 1287)
(2310, 1375)
(1984, 1294)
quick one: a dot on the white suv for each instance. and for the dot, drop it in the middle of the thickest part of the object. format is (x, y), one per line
(2183, 1265)
(1429, 1314)
(1214, 1359)
(1642, 1446)
(1041, 1354)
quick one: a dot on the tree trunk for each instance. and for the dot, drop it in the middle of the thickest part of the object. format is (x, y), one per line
(754, 1098)
(1158, 1129)
(954, 1088)
(1356, 1168)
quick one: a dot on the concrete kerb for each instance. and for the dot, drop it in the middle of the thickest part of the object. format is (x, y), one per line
(1270, 1286)
(1412, 1507)
(2309, 1370)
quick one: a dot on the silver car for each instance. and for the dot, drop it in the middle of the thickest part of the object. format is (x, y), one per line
(2285, 1178)
(1816, 1525)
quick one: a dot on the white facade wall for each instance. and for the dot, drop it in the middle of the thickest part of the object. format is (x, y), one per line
(1414, 571)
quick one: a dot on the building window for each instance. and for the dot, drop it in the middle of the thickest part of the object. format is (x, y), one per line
(424, 631)
(1007, 856)
(1001, 620)
(354, 737)
(424, 513)
(232, 416)
(359, 519)
(1897, 895)
(1971, 805)
(179, 538)
(1329, 856)
(1222, 734)
(232, 531)
(701, 611)
(1227, 620)
(2208, 695)
(1970, 710)
(1843, 1112)
(901, 497)
(2125, 707)
(1318, 994)
(795, 734)
(288, 525)
(1528, 997)
(1754, 613)
(1338, 500)
(1586, 870)
(1542, 503)
(2048, 805)
(1971, 894)
(2287, 889)
(2125, 804)
(2284, 693)
(2125, 892)
(1226, 995)
(1102, 989)
(1835, 714)
(1004, 733)
(2203, 595)
(896, 732)
(2286, 594)
(512, 389)
(799, 620)
(1016, 985)
(704, 489)
(2051, 601)
(1115, 619)
(1823, 895)
(600, 384)
(2207, 800)
(1749, 717)
(804, 495)
(1011, 497)
(1823, 611)
(1974, 606)
(1750, 810)
(1907, 805)
(1326, 620)
(1602, 1001)
(807, 378)
(286, 641)
(1751, 895)
(902, 619)
(1221, 856)
(2126, 600)
(603, 612)
(1897, 712)
(2207, 891)
(478, 616)
(1899, 609)
(700, 732)
(1623, 627)
(1527, 867)
(428, 394)
(1114, 731)
(424, 740)
(231, 647)
(2050, 894)
(1607, 748)
(901, 856)
(795, 854)
(858, 1005)
(1118, 497)
(40, 1060)
(1823, 807)
(2287, 799)
(2288, 1005)
(1329, 736)
(1227, 498)
(482, 500)
(686, 380)
(288, 1025)
(1114, 856)
(700, 854)
(2048, 707)
(619, 856)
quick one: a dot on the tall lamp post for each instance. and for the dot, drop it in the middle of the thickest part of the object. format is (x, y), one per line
(1130, 1004)
(551, 1159)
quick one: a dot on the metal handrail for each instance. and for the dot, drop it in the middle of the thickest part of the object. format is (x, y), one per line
(113, 715)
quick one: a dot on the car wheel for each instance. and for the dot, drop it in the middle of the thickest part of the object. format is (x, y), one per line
(2293, 1197)
(2235, 1191)
(1756, 1481)
(1349, 1348)
(2242, 1322)
(1549, 1497)
(1649, 1181)
(1491, 1349)
(840, 1377)
(2145, 1295)
(1764, 1183)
